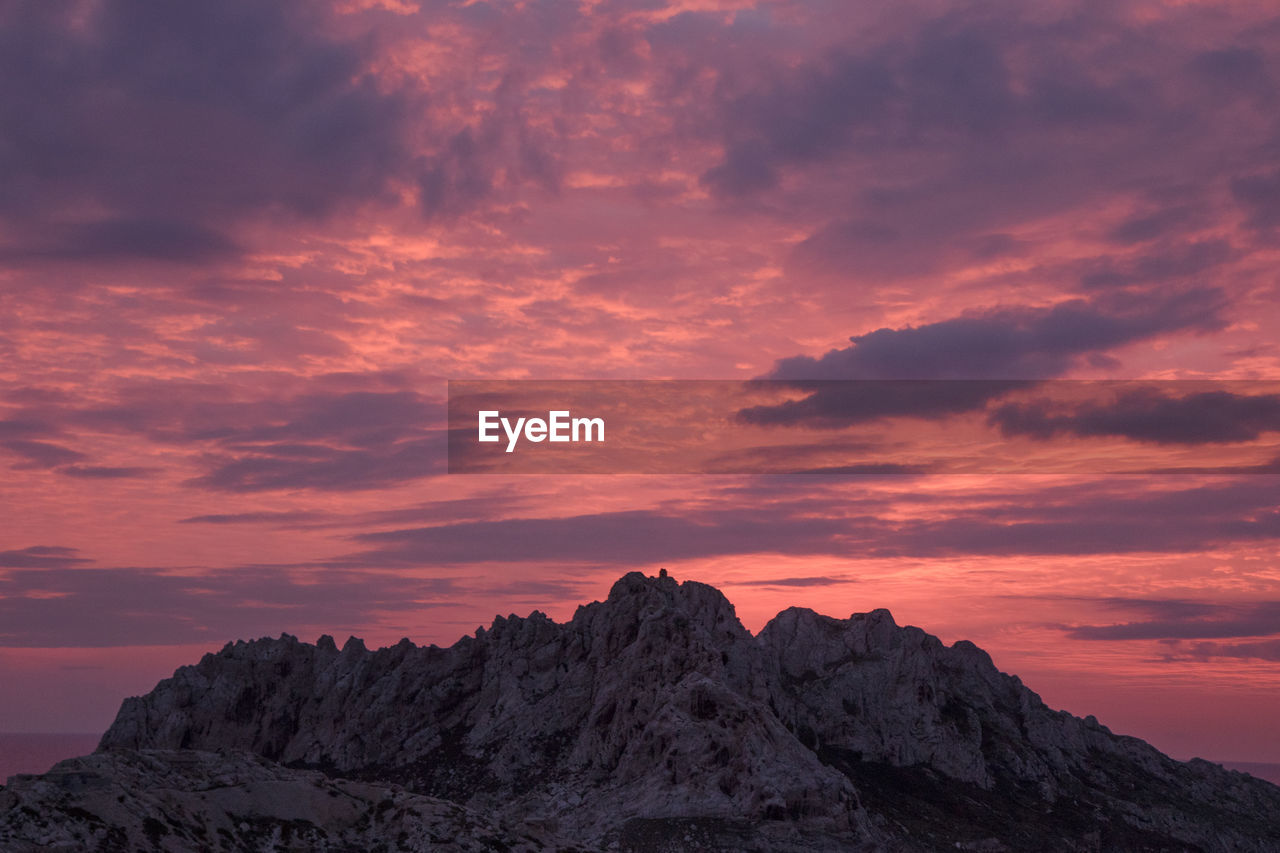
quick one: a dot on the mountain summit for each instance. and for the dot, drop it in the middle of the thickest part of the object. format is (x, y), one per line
(650, 721)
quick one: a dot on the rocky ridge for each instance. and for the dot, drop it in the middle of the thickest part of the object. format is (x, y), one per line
(654, 720)
(188, 800)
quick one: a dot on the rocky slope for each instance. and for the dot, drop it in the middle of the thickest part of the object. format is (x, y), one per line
(654, 720)
(183, 801)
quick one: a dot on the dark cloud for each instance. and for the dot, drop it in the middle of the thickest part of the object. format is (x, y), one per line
(498, 502)
(1098, 518)
(1014, 343)
(105, 472)
(128, 606)
(358, 418)
(1164, 263)
(345, 441)
(1271, 466)
(635, 537)
(1086, 521)
(124, 238)
(901, 146)
(939, 365)
(1268, 650)
(469, 166)
(1177, 619)
(1150, 225)
(868, 469)
(539, 590)
(364, 418)
(790, 582)
(286, 517)
(1259, 195)
(24, 429)
(806, 116)
(458, 509)
(42, 557)
(290, 466)
(42, 454)
(1234, 71)
(949, 79)
(328, 440)
(177, 120)
(144, 129)
(1080, 520)
(31, 394)
(834, 404)
(1149, 415)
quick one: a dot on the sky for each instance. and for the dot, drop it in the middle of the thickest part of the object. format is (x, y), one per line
(243, 247)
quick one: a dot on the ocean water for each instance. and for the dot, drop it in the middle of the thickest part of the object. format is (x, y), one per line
(1270, 772)
(36, 753)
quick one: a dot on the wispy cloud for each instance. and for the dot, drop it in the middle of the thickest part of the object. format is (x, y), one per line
(1180, 619)
(42, 557)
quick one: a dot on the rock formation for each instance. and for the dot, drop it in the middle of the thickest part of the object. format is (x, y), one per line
(654, 720)
(188, 800)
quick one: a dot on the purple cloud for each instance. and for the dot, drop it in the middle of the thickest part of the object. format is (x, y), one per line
(1012, 343)
(1071, 521)
(1148, 415)
(328, 440)
(178, 124)
(283, 518)
(42, 454)
(834, 404)
(1268, 650)
(42, 557)
(105, 472)
(820, 580)
(1180, 619)
(246, 108)
(53, 607)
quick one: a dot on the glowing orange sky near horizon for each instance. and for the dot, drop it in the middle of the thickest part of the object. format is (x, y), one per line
(229, 302)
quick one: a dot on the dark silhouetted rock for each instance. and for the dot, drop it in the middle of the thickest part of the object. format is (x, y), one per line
(655, 721)
(182, 801)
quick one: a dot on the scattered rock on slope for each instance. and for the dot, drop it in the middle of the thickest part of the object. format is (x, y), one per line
(126, 800)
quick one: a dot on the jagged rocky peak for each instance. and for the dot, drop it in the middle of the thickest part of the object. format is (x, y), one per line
(654, 714)
(655, 595)
(661, 608)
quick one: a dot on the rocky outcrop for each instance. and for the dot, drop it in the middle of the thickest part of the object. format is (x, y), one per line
(651, 705)
(936, 736)
(182, 801)
(654, 720)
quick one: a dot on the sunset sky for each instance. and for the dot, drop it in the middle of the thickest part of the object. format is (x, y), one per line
(244, 245)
